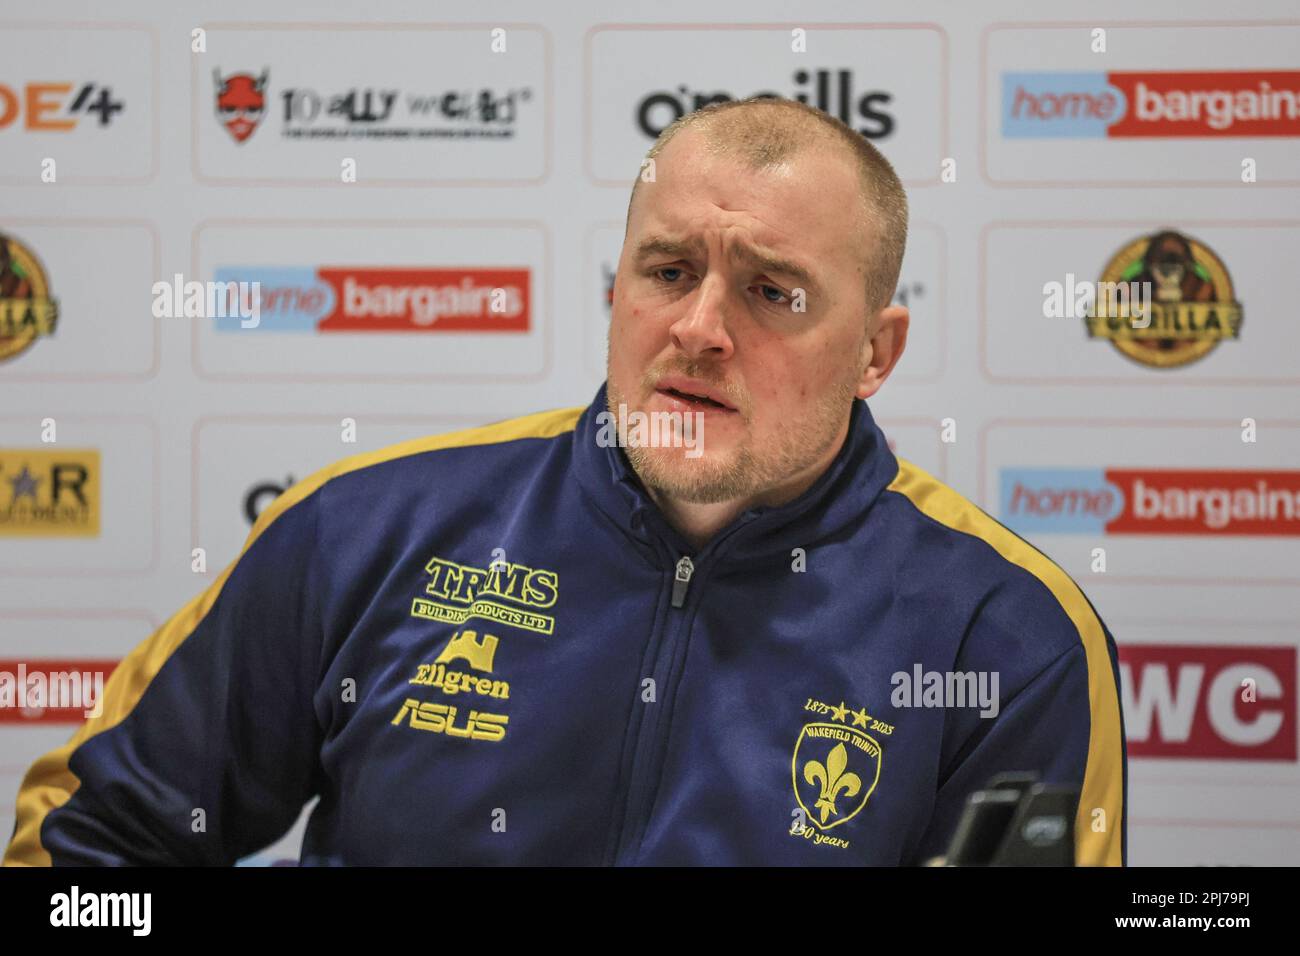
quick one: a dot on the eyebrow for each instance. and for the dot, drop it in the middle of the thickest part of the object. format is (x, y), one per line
(679, 248)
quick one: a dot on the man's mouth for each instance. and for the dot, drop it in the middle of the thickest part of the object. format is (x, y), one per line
(692, 396)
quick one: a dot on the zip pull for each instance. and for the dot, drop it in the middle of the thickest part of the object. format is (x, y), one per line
(682, 580)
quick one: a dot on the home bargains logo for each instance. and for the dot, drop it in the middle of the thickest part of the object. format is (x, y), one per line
(389, 299)
(1209, 702)
(1150, 501)
(1150, 104)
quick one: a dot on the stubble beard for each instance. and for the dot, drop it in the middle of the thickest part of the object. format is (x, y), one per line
(745, 472)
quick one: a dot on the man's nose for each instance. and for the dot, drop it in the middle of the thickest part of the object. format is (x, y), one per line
(703, 329)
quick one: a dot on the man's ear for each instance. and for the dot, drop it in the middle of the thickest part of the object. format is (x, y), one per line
(886, 346)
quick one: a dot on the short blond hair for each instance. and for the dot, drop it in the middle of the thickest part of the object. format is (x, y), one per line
(764, 132)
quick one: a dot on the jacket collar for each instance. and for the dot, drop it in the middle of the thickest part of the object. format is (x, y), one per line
(840, 497)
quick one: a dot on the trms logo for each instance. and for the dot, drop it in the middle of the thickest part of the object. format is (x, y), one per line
(1203, 702)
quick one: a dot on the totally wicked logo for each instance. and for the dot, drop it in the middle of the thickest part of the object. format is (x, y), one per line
(385, 299)
(1192, 305)
(241, 102)
(1121, 105)
(1200, 702)
(1152, 501)
(27, 309)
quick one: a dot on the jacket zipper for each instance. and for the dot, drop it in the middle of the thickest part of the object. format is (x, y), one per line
(682, 580)
(635, 810)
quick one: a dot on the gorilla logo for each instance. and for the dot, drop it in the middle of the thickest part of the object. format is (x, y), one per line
(1192, 305)
(26, 310)
(1169, 265)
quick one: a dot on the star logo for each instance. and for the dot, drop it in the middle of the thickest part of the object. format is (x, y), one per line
(24, 484)
(839, 713)
(860, 718)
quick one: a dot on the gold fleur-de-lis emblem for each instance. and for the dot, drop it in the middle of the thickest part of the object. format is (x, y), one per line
(833, 779)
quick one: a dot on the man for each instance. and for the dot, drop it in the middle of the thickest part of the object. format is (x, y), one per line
(528, 643)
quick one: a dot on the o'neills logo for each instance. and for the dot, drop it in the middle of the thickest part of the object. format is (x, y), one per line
(1192, 307)
(1150, 501)
(389, 299)
(502, 592)
(27, 311)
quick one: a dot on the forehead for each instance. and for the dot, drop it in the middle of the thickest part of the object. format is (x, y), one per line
(807, 208)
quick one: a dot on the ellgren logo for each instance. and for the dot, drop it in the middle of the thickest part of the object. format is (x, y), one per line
(1121, 105)
(1192, 309)
(1152, 501)
(384, 299)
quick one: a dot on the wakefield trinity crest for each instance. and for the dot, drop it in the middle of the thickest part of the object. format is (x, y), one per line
(835, 768)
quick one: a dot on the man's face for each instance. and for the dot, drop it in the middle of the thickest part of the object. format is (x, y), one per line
(704, 308)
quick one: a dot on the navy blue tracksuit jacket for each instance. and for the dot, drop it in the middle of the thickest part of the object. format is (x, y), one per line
(489, 647)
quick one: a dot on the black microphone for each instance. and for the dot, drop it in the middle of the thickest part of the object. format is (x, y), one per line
(1015, 821)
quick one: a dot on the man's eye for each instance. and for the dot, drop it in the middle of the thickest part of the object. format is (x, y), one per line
(660, 274)
(780, 296)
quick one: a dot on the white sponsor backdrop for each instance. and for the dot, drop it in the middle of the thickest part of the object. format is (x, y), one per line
(471, 160)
